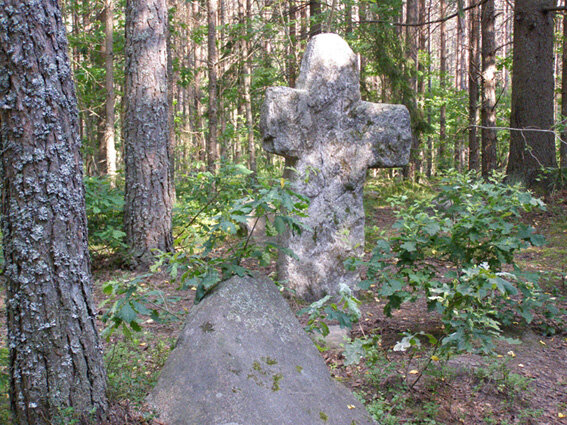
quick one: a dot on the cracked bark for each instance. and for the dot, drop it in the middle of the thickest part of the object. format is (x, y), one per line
(55, 353)
(149, 188)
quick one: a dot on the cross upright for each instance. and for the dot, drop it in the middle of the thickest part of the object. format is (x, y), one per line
(329, 138)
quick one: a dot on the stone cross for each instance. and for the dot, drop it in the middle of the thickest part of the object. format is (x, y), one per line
(329, 138)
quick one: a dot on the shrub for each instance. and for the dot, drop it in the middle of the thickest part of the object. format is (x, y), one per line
(457, 251)
(105, 209)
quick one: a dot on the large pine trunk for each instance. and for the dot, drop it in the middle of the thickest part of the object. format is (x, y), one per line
(55, 352)
(532, 92)
(149, 189)
(563, 139)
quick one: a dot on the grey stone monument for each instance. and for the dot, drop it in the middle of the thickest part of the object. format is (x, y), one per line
(244, 359)
(329, 138)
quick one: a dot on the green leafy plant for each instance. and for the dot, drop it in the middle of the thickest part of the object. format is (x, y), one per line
(212, 241)
(131, 298)
(105, 207)
(133, 367)
(345, 311)
(5, 413)
(218, 237)
(457, 251)
(497, 374)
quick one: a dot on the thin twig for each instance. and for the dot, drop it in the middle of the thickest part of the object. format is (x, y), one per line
(419, 24)
(197, 215)
(248, 238)
(425, 367)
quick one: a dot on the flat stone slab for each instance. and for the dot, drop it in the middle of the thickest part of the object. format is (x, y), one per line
(244, 359)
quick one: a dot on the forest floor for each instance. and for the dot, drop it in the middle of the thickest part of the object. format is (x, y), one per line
(523, 384)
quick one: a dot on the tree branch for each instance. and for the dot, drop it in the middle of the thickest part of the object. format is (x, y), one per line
(554, 9)
(419, 24)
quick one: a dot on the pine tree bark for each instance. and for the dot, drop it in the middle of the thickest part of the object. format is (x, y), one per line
(429, 163)
(247, 77)
(474, 90)
(442, 71)
(488, 109)
(212, 60)
(109, 146)
(412, 36)
(149, 188)
(459, 151)
(292, 52)
(532, 92)
(197, 104)
(315, 17)
(563, 141)
(55, 352)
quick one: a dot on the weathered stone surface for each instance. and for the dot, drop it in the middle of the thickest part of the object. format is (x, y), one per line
(330, 138)
(243, 359)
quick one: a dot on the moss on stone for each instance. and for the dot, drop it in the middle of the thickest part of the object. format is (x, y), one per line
(276, 381)
(269, 361)
(207, 327)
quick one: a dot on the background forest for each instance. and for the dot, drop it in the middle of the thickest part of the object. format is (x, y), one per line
(176, 181)
(449, 62)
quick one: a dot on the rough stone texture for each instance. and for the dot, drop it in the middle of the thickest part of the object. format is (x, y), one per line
(243, 359)
(330, 138)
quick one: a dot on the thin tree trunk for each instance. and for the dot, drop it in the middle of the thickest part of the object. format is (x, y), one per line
(474, 72)
(247, 96)
(506, 47)
(108, 53)
(315, 17)
(292, 53)
(460, 65)
(412, 34)
(304, 24)
(563, 141)
(442, 71)
(212, 61)
(56, 358)
(488, 111)
(221, 69)
(421, 71)
(348, 17)
(148, 197)
(197, 104)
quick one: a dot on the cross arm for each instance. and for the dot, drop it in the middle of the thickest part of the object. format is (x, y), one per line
(387, 129)
(284, 121)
